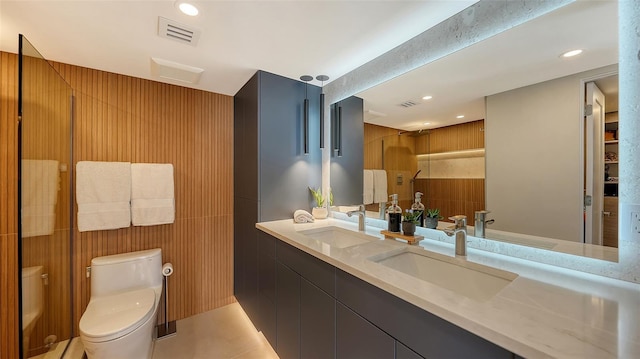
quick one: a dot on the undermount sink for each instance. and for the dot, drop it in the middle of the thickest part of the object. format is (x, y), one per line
(338, 237)
(472, 280)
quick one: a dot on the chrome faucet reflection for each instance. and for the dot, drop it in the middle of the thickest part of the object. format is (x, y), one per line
(361, 215)
(481, 223)
(459, 229)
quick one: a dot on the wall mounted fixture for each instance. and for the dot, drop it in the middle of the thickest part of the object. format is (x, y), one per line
(322, 79)
(175, 71)
(306, 79)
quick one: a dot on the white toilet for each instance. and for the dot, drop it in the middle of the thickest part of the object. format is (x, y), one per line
(32, 301)
(122, 313)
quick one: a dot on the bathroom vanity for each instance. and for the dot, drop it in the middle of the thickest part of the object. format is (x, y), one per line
(326, 290)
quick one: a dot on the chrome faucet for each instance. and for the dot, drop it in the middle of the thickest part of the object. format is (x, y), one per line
(382, 209)
(481, 223)
(460, 230)
(361, 212)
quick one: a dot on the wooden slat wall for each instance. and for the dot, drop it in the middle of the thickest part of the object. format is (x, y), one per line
(120, 118)
(8, 206)
(46, 135)
(399, 158)
(459, 137)
(453, 196)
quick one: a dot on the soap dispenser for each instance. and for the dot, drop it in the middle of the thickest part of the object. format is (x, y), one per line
(394, 214)
(417, 206)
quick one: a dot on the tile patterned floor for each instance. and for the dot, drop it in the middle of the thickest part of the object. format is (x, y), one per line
(223, 333)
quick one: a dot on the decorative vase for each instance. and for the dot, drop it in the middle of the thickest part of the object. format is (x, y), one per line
(319, 212)
(408, 228)
(431, 222)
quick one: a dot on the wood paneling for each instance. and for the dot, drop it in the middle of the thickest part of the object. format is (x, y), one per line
(385, 148)
(46, 135)
(453, 196)
(464, 136)
(120, 118)
(8, 206)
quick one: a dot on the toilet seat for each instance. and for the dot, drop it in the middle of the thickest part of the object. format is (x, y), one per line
(111, 317)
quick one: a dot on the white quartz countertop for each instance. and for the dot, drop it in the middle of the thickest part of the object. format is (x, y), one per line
(546, 311)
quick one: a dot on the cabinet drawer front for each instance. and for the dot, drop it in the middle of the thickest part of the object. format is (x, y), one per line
(309, 267)
(317, 322)
(423, 332)
(357, 338)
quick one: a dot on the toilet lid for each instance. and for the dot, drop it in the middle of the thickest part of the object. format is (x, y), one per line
(113, 316)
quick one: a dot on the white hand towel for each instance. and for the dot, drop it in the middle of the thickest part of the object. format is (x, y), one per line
(152, 194)
(367, 195)
(103, 192)
(40, 186)
(380, 186)
(302, 216)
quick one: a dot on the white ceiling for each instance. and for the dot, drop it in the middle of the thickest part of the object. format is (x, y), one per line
(294, 38)
(289, 38)
(524, 55)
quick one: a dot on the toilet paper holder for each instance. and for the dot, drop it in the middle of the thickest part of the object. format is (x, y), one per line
(168, 327)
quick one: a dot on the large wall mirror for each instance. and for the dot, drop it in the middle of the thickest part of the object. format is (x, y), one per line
(528, 148)
(44, 107)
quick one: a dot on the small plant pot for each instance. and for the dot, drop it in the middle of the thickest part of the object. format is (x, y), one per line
(319, 212)
(431, 222)
(408, 228)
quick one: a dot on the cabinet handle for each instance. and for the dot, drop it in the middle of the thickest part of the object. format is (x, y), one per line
(306, 126)
(607, 214)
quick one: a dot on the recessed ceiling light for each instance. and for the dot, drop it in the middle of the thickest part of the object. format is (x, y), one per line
(572, 53)
(427, 97)
(427, 123)
(187, 9)
(460, 116)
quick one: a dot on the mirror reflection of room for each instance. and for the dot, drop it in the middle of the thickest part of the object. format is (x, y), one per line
(529, 150)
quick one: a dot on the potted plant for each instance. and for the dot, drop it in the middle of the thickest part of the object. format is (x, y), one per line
(409, 222)
(431, 218)
(320, 211)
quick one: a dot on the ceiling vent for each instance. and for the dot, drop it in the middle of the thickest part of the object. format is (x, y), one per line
(408, 104)
(178, 32)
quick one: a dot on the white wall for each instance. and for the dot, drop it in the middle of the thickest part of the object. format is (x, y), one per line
(534, 171)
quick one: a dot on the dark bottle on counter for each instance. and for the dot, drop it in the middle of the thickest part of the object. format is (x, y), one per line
(394, 213)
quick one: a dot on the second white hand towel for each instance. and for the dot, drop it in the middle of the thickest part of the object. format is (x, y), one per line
(152, 194)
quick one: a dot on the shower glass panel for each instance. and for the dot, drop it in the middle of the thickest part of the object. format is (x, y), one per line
(45, 202)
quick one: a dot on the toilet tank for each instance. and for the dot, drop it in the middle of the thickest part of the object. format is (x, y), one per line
(32, 291)
(126, 271)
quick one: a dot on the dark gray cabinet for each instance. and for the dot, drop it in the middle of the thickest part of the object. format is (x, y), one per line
(310, 309)
(423, 332)
(317, 322)
(402, 352)
(266, 317)
(358, 338)
(271, 171)
(347, 150)
(287, 312)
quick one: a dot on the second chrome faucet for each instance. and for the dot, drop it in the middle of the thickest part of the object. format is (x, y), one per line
(459, 229)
